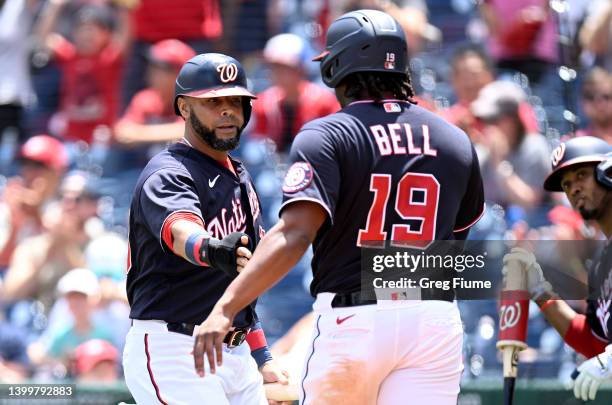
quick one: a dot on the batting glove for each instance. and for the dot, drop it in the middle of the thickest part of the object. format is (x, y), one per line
(592, 373)
(221, 254)
(536, 283)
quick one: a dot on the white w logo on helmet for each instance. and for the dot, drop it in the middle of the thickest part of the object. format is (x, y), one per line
(557, 154)
(228, 72)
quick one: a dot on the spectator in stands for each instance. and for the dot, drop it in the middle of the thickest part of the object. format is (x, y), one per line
(90, 65)
(14, 362)
(522, 36)
(43, 161)
(16, 88)
(596, 100)
(198, 23)
(515, 162)
(80, 288)
(40, 261)
(412, 16)
(149, 121)
(471, 70)
(105, 256)
(281, 110)
(96, 361)
(596, 32)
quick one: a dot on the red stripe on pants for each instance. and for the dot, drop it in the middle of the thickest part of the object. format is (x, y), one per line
(146, 342)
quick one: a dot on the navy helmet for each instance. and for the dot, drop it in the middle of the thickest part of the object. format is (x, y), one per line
(363, 41)
(578, 151)
(213, 75)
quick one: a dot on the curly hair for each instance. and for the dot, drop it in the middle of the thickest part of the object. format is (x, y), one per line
(375, 84)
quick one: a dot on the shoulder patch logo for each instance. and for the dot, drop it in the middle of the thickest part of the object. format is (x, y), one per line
(298, 177)
(392, 107)
(557, 154)
(228, 72)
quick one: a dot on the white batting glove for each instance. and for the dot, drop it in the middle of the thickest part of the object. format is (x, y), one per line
(536, 283)
(592, 373)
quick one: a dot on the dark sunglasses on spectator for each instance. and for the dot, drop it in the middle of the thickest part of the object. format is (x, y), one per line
(597, 97)
(79, 197)
(32, 163)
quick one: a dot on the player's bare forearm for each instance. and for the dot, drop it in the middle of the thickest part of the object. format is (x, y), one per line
(276, 254)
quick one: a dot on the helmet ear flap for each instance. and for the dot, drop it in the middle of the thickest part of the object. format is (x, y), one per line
(329, 71)
(603, 173)
(247, 108)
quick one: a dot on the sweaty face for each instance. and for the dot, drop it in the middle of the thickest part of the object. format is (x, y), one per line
(217, 121)
(583, 192)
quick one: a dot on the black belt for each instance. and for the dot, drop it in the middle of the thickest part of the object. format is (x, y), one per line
(350, 300)
(354, 299)
(233, 338)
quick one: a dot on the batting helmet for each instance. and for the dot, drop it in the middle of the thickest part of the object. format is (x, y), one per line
(213, 75)
(603, 172)
(577, 151)
(363, 41)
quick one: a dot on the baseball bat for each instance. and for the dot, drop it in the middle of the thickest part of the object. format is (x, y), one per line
(280, 392)
(513, 316)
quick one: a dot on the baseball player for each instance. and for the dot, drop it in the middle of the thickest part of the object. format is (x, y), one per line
(381, 169)
(581, 170)
(193, 215)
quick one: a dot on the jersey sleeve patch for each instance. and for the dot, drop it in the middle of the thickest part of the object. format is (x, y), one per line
(298, 177)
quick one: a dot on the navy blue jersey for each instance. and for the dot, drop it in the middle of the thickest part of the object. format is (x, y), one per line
(599, 308)
(183, 181)
(383, 171)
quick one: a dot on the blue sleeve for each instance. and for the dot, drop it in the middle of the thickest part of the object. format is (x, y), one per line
(164, 193)
(314, 172)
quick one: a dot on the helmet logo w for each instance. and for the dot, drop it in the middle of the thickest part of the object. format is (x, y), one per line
(227, 72)
(557, 154)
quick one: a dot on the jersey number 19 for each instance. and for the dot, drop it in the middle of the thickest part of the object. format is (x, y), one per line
(416, 200)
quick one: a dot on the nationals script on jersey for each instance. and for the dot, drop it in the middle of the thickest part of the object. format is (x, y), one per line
(160, 284)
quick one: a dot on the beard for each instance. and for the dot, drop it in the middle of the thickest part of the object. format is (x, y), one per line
(208, 135)
(588, 214)
(597, 212)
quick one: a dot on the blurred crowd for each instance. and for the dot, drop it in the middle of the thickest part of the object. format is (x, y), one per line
(86, 96)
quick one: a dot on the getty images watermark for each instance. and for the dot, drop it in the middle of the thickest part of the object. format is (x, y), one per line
(469, 270)
(421, 262)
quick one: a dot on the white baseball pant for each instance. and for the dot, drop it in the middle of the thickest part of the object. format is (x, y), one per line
(391, 353)
(159, 369)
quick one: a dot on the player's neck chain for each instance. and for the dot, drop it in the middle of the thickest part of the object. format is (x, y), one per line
(186, 142)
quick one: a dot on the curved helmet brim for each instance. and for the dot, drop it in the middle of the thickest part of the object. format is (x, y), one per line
(553, 181)
(221, 92)
(321, 56)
